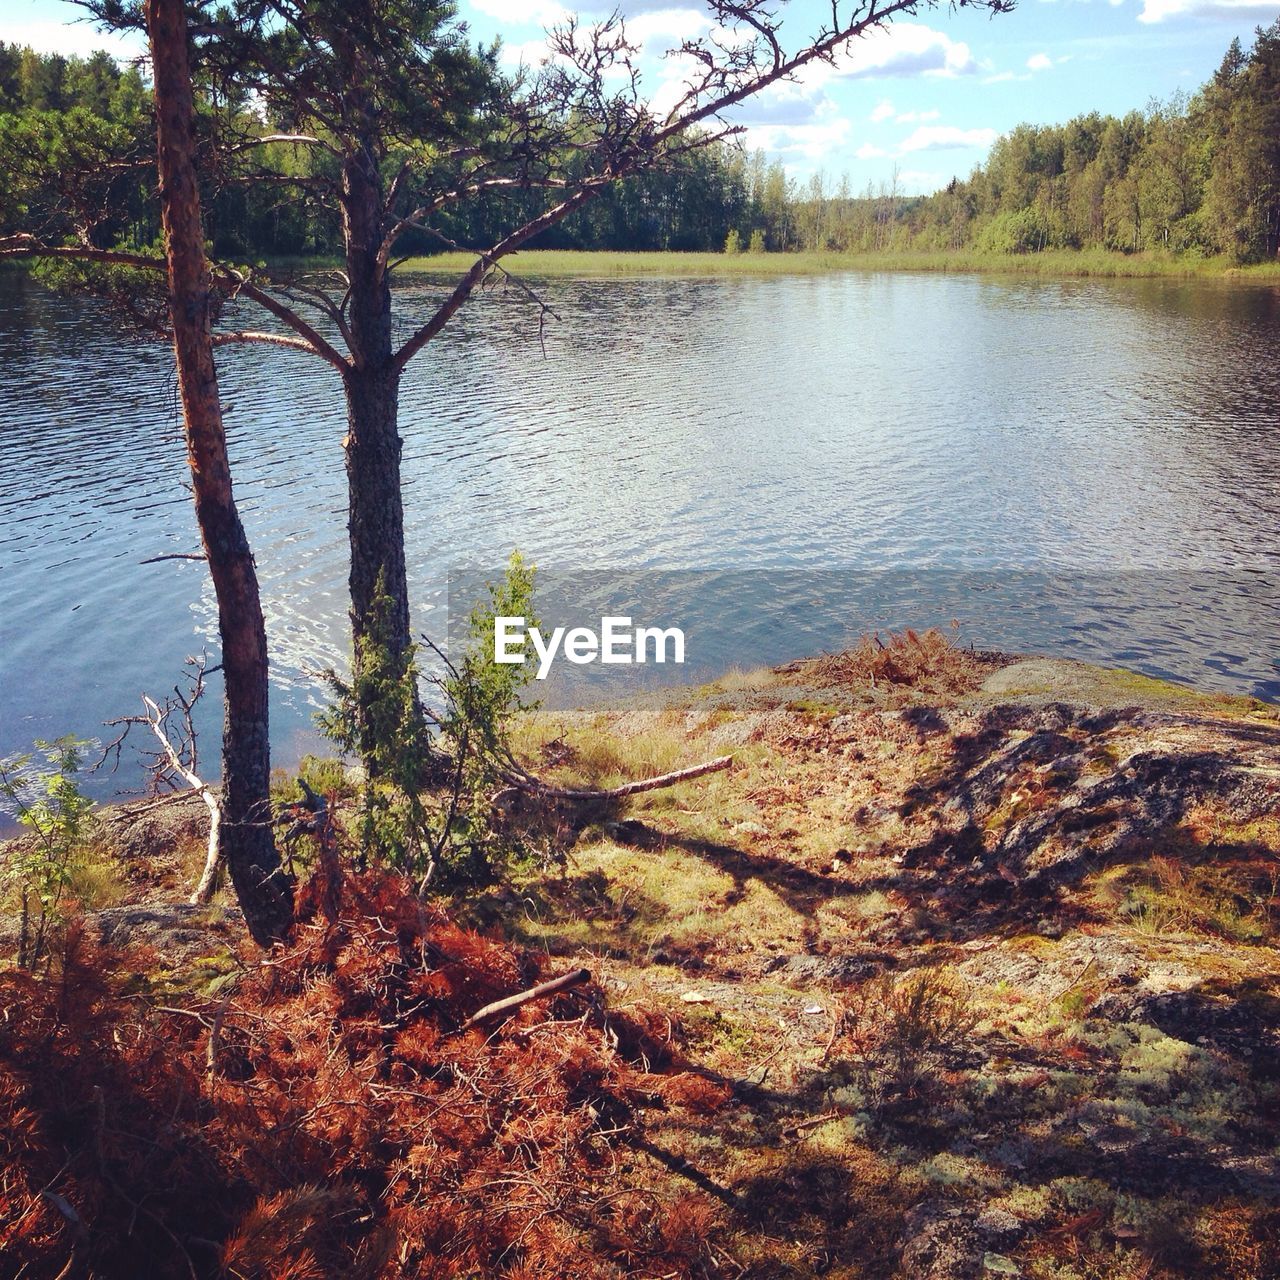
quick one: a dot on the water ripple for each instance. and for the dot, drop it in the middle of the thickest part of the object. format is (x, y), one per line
(861, 421)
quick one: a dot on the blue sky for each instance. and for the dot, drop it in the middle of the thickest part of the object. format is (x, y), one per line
(927, 97)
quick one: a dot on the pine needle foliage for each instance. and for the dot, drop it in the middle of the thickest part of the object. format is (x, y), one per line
(331, 1114)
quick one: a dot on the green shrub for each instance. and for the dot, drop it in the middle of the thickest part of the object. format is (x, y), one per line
(483, 695)
(1023, 231)
(378, 717)
(424, 807)
(482, 699)
(41, 790)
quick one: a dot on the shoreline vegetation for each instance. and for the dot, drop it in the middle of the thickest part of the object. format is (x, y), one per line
(659, 264)
(599, 264)
(967, 966)
(621, 264)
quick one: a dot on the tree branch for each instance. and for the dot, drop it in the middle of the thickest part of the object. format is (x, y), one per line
(299, 138)
(574, 979)
(179, 761)
(631, 147)
(544, 307)
(461, 192)
(525, 781)
(467, 285)
(318, 346)
(27, 246)
(244, 336)
(824, 48)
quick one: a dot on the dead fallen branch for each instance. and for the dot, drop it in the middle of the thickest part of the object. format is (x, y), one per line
(132, 812)
(803, 1126)
(176, 762)
(563, 983)
(157, 720)
(525, 781)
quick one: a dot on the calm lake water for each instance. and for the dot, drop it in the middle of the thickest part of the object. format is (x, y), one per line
(1078, 467)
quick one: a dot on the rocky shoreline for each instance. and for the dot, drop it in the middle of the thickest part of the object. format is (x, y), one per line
(980, 953)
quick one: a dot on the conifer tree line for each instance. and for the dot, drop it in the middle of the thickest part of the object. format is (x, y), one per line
(1197, 174)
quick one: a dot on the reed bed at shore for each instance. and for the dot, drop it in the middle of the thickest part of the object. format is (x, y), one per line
(593, 264)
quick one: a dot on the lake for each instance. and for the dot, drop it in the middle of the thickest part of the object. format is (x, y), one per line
(1088, 468)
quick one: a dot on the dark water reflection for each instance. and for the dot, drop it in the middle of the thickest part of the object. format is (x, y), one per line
(1101, 455)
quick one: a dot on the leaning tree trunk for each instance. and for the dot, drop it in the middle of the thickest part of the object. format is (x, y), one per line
(248, 845)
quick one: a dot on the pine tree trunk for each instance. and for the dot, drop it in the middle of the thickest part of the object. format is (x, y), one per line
(263, 892)
(375, 507)
(372, 387)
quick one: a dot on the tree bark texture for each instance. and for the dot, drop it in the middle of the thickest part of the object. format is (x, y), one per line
(375, 508)
(373, 445)
(264, 893)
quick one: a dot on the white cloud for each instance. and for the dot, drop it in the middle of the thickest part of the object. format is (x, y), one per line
(1039, 62)
(869, 151)
(667, 27)
(633, 8)
(673, 86)
(652, 22)
(903, 49)
(785, 103)
(883, 110)
(1159, 10)
(808, 141)
(943, 137)
(71, 38)
(533, 53)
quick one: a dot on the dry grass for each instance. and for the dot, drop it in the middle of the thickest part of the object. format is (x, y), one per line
(1231, 897)
(926, 662)
(839, 842)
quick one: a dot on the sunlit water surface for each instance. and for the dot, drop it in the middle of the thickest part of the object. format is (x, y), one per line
(1085, 468)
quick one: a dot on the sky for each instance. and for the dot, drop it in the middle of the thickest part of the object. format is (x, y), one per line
(924, 98)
